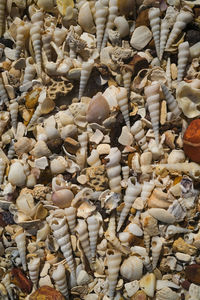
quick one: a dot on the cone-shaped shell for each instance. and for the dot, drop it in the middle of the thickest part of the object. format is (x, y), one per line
(100, 20)
(34, 269)
(171, 101)
(98, 109)
(139, 134)
(183, 56)
(71, 218)
(113, 262)
(82, 230)
(154, 18)
(85, 74)
(20, 239)
(156, 246)
(113, 169)
(93, 229)
(60, 279)
(123, 105)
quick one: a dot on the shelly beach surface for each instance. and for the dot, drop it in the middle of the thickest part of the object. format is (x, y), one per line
(99, 150)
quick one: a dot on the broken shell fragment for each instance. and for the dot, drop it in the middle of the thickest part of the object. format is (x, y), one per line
(191, 141)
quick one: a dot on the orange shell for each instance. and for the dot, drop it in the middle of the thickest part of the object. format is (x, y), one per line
(46, 293)
(191, 141)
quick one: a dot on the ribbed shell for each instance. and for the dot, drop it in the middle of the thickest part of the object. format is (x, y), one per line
(156, 246)
(147, 188)
(125, 172)
(113, 11)
(168, 73)
(20, 39)
(100, 20)
(3, 94)
(70, 213)
(30, 70)
(2, 169)
(122, 100)
(113, 262)
(183, 56)
(7, 283)
(182, 20)
(153, 102)
(20, 239)
(85, 74)
(93, 229)
(171, 101)
(93, 159)
(35, 32)
(36, 115)
(147, 263)
(172, 230)
(82, 230)
(167, 294)
(11, 150)
(139, 135)
(132, 191)
(13, 107)
(46, 40)
(2, 16)
(127, 76)
(113, 169)
(154, 18)
(164, 31)
(182, 167)
(34, 269)
(62, 236)
(60, 279)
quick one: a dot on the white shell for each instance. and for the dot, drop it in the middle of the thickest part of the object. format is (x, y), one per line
(161, 215)
(100, 20)
(171, 101)
(183, 18)
(154, 18)
(7, 283)
(156, 246)
(35, 32)
(148, 284)
(85, 18)
(60, 279)
(93, 229)
(70, 213)
(153, 102)
(93, 159)
(139, 134)
(113, 169)
(20, 239)
(132, 191)
(16, 174)
(30, 71)
(132, 268)
(85, 74)
(127, 76)
(147, 188)
(122, 100)
(192, 168)
(194, 292)
(2, 169)
(82, 230)
(13, 107)
(20, 38)
(3, 94)
(164, 30)
(166, 293)
(122, 26)
(113, 262)
(183, 56)
(34, 269)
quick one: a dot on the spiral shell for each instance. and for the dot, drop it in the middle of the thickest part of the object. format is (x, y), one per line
(156, 246)
(20, 239)
(30, 70)
(70, 213)
(46, 40)
(127, 76)
(93, 159)
(113, 262)
(34, 268)
(139, 134)
(113, 169)
(35, 32)
(154, 18)
(122, 100)
(153, 102)
(183, 56)
(147, 188)
(82, 230)
(172, 230)
(132, 191)
(164, 31)
(2, 16)
(171, 101)
(11, 150)
(36, 115)
(62, 236)
(6, 282)
(2, 169)
(3, 94)
(93, 229)
(85, 74)
(183, 18)
(13, 107)
(20, 38)
(60, 279)
(113, 11)
(132, 268)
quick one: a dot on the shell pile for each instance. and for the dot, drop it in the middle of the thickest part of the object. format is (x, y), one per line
(98, 199)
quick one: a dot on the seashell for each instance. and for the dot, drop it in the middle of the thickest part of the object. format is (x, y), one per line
(156, 246)
(192, 168)
(85, 74)
(13, 107)
(161, 215)
(134, 229)
(2, 170)
(70, 213)
(188, 99)
(171, 101)
(93, 159)
(34, 268)
(194, 50)
(145, 162)
(85, 18)
(122, 26)
(93, 230)
(141, 37)
(98, 109)
(22, 32)
(176, 156)
(147, 188)
(132, 191)
(127, 76)
(61, 233)
(62, 198)
(154, 18)
(2, 16)
(40, 149)
(166, 293)
(30, 71)
(47, 37)
(126, 138)
(172, 230)
(11, 150)
(164, 31)
(3, 94)
(183, 18)
(148, 284)
(113, 262)
(35, 33)
(20, 239)
(183, 56)
(194, 291)
(113, 11)
(58, 165)
(150, 227)
(122, 100)
(82, 231)
(191, 141)
(113, 169)
(63, 6)
(139, 135)
(132, 268)
(153, 97)
(60, 279)
(4, 119)
(16, 175)
(7, 284)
